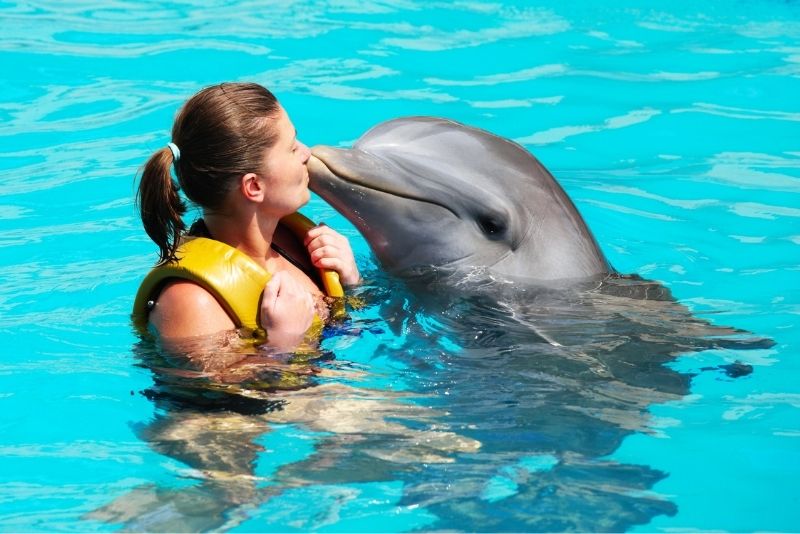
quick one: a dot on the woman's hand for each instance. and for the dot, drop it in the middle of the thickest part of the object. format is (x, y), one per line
(331, 250)
(287, 311)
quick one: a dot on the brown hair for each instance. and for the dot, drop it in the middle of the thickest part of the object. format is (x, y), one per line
(222, 133)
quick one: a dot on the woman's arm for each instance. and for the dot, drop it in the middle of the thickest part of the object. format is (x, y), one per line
(184, 310)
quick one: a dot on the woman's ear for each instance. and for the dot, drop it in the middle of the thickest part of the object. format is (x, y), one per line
(252, 187)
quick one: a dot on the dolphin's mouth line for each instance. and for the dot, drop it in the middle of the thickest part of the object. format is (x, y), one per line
(388, 191)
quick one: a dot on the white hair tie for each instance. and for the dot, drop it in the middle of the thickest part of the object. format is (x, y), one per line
(176, 152)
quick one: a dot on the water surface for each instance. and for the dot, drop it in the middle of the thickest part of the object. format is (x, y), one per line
(674, 129)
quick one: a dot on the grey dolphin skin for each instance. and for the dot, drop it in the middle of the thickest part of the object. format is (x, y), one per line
(427, 191)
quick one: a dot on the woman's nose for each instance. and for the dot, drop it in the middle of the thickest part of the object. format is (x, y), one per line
(305, 152)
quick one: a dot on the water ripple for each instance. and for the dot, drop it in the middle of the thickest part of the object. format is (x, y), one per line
(516, 103)
(29, 236)
(13, 212)
(115, 101)
(763, 211)
(666, 22)
(757, 403)
(556, 135)
(514, 24)
(739, 113)
(116, 451)
(669, 201)
(630, 211)
(70, 163)
(55, 47)
(623, 43)
(558, 69)
(330, 78)
(507, 77)
(47, 27)
(29, 279)
(741, 169)
(771, 29)
(71, 319)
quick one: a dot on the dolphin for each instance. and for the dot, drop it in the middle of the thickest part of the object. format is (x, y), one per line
(432, 196)
(430, 192)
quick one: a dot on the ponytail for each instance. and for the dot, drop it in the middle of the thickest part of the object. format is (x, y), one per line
(160, 205)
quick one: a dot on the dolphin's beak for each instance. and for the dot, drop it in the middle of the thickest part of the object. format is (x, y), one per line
(320, 150)
(346, 169)
(320, 154)
(316, 170)
(317, 167)
(328, 164)
(314, 163)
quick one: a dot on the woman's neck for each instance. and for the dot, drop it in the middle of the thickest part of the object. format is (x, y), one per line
(250, 234)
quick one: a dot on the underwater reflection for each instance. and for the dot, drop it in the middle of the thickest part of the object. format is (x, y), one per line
(216, 398)
(550, 382)
(518, 397)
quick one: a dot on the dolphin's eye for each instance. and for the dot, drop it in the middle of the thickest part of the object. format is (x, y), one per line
(491, 226)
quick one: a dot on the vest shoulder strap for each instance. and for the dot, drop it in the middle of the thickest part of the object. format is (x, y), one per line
(235, 280)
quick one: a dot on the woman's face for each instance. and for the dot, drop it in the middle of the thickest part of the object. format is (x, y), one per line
(286, 174)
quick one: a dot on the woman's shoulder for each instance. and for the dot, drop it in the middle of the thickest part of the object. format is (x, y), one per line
(185, 309)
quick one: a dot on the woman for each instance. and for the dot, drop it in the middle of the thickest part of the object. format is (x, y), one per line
(236, 156)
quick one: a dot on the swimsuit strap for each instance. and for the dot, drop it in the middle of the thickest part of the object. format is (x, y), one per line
(311, 273)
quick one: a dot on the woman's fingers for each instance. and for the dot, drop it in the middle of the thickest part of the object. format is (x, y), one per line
(287, 311)
(328, 249)
(270, 296)
(331, 264)
(321, 236)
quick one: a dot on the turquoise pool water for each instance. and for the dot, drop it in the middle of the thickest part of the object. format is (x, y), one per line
(672, 126)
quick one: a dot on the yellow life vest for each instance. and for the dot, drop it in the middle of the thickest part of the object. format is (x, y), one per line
(233, 277)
